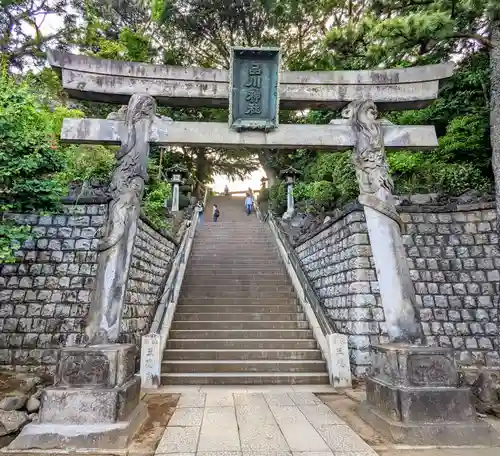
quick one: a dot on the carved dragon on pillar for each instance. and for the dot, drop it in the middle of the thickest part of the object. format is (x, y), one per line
(115, 248)
(372, 171)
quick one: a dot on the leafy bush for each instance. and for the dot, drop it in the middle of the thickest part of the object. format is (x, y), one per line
(263, 195)
(154, 203)
(277, 198)
(88, 163)
(422, 172)
(30, 156)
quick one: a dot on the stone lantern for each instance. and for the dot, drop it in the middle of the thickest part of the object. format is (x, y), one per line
(176, 175)
(289, 175)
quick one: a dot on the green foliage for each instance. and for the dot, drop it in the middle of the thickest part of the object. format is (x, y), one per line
(29, 158)
(11, 238)
(154, 204)
(88, 163)
(426, 172)
(277, 198)
(263, 195)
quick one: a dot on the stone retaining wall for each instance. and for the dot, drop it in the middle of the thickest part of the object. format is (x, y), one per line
(151, 261)
(454, 261)
(45, 297)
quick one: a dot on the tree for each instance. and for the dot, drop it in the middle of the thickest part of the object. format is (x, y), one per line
(412, 32)
(202, 32)
(22, 23)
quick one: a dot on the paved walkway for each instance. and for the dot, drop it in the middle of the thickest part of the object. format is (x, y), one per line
(225, 423)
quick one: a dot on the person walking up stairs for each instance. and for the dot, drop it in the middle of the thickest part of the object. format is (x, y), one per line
(238, 319)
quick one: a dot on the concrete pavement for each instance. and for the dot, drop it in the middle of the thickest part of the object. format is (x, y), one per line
(221, 422)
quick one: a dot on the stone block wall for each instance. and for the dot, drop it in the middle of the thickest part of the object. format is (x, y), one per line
(45, 297)
(338, 262)
(454, 261)
(151, 262)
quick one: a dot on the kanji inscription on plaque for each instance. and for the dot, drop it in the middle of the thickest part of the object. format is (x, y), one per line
(253, 95)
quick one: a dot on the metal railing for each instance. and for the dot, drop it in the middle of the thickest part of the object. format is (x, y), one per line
(173, 285)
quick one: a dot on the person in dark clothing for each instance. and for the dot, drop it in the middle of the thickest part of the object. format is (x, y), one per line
(216, 213)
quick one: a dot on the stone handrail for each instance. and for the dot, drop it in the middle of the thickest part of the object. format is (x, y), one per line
(333, 346)
(151, 357)
(308, 290)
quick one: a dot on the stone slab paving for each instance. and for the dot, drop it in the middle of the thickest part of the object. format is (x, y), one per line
(276, 422)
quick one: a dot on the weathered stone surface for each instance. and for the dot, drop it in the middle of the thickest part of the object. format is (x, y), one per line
(13, 402)
(453, 434)
(89, 405)
(151, 358)
(211, 134)
(338, 251)
(96, 365)
(115, 248)
(92, 436)
(413, 394)
(383, 222)
(32, 405)
(414, 366)
(401, 88)
(11, 421)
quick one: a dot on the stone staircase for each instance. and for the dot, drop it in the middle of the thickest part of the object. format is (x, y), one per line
(238, 319)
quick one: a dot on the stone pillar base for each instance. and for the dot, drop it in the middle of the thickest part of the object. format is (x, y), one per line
(413, 398)
(94, 403)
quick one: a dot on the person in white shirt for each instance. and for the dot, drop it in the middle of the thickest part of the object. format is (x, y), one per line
(248, 203)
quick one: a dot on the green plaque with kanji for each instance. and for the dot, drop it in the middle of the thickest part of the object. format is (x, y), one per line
(253, 94)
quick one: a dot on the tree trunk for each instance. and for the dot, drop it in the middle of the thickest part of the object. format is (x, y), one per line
(264, 159)
(495, 112)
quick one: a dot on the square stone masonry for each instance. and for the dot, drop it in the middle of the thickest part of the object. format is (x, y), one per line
(104, 366)
(414, 366)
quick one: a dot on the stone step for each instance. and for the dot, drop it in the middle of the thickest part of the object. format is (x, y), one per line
(240, 277)
(241, 344)
(228, 301)
(236, 308)
(235, 354)
(234, 281)
(213, 366)
(238, 287)
(239, 316)
(197, 292)
(235, 325)
(236, 270)
(235, 252)
(246, 378)
(221, 258)
(241, 334)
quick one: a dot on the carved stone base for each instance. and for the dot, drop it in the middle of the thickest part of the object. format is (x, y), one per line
(98, 436)
(453, 434)
(413, 398)
(94, 403)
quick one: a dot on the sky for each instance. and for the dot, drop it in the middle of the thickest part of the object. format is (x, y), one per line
(252, 181)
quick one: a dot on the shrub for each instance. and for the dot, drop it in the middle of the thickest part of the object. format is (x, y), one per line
(30, 156)
(154, 204)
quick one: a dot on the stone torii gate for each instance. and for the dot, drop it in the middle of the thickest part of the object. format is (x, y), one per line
(143, 85)
(392, 389)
